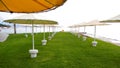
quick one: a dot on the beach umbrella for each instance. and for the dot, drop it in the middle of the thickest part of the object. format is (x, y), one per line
(94, 23)
(29, 6)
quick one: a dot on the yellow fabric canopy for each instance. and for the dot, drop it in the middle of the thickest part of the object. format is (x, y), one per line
(29, 6)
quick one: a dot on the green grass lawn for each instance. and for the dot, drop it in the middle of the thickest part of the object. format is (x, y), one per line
(63, 51)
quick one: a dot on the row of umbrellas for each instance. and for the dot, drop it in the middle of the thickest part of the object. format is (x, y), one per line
(91, 23)
(30, 6)
(33, 22)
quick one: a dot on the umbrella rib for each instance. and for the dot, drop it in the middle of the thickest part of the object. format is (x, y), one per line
(50, 3)
(41, 4)
(6, 6)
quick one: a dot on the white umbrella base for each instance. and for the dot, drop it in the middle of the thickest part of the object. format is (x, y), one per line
(84, 38)
(75, 34)
(3, 36)
(53, 34)
(26, 35)
(44, 42)
(79, 35)
(49, 37)
(33, 53)
(94, 43)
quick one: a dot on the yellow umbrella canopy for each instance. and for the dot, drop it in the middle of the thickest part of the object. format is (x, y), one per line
(29, 6)
(30, 21)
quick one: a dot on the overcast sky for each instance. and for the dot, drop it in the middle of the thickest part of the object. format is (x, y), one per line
(78, 11)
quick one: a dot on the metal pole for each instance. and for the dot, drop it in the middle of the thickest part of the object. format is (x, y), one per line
(44, 31)
(94, 32)
(78, 29)
(15, 29)
(84, 28)
(40, 28)
(33, 35)
(49, 30)
(26, 29)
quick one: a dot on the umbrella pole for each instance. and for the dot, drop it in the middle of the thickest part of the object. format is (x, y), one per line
(78, 32)
(36, 29)
(33, 51)
(49, 30)
(40, 28)
(78, 29)
(49, 37)
(44, 32)
(94, 43)
(44, 41)
(26, 31)
(94, 33)
(84, 36)
(15, 31)
(33, 35)
(84, 28)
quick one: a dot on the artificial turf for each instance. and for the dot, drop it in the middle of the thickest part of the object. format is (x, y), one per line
(63, 51)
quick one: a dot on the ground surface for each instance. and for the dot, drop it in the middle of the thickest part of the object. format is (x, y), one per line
(63, 51)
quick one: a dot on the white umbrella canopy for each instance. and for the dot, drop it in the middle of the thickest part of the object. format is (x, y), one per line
(25, 16)
(95, 23)
(115, 19)
(81, 24)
